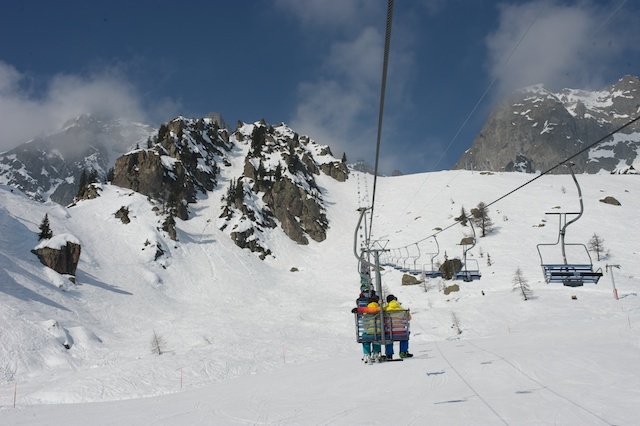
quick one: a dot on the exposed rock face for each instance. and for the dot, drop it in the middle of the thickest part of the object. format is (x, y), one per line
(180, 161)
(410, 280)
(337, 170)
(449, 268)
(451, 289)
(535, 129)
(278, 186)
(610, 200)
(123, 215)
(63, 260)
(53, 164)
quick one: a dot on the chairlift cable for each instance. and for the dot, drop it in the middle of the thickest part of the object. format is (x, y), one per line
(588, 147)
(387, 42)
(471, 113)
(622, 3)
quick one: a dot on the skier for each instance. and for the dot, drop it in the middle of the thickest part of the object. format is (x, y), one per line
(370, 353)
(394, 305)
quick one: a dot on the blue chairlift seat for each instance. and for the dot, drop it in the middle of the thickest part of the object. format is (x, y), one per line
(571, 275)
(469, 272)
(432, 274)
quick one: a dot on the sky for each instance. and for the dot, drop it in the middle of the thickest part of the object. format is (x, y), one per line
(315, 65)
(247, 341)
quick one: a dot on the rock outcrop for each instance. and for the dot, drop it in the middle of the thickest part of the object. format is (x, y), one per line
(182, 160)
(278, 187)
(60, 253)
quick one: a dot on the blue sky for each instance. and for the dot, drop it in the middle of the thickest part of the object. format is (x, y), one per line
(314, 64)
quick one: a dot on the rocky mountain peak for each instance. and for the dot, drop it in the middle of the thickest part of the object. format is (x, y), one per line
(49, 167)
(270, 173)
(534, 129)
(182, 159)
(278, 185)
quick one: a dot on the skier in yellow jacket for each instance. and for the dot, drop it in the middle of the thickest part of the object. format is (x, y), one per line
(394, 305)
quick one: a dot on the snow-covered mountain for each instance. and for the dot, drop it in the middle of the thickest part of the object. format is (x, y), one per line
(534, 129)
(274, 184)
(181, 161)
(249, 340)
(49, 167)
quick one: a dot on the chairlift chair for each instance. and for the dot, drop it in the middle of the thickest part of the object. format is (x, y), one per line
(369, 328)
(569, 274)
(432, 272)
(404, 267)
(468, 274)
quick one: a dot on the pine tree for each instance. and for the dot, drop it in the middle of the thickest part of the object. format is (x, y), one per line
(521, 285)
(82, 184)
(261, 172)
(278, 172)
(93, 177)
(258, 139)
(162, 132)
(596, 245)
(158, 344)
(480, 217)
(344, 157)
(45, 229)
(463, 217)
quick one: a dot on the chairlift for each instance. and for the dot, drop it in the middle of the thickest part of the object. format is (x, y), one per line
(403, 267)
(569, 274)
(369, 327)
(432, 272)
(409, 263)
(381, 327)
(415, 269)
(468, 274)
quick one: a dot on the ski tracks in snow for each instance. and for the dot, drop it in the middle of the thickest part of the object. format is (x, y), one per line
(458, 389)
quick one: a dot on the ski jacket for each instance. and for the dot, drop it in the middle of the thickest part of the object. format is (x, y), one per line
(394, 305)
(371, 308)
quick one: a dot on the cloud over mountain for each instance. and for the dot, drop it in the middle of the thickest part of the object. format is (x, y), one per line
(30, 107)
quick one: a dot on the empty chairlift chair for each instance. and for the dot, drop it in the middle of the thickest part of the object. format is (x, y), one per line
(565, 272)
(429, 270)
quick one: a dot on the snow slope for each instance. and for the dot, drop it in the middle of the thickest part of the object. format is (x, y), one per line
(250, 341)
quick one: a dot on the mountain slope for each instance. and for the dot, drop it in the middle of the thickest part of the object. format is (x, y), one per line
(224, 313)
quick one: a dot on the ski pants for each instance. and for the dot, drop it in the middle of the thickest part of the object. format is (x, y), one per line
(366, 348)
(404, 347)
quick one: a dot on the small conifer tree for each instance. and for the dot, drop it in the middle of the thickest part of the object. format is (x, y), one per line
(158, 344)
(596, 245)
(463, 217)
(521, 285)
(480, 217)
(45, 229)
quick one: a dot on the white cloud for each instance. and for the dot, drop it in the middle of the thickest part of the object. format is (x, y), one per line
(25, 114)
(339, 106)
(562, 48)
